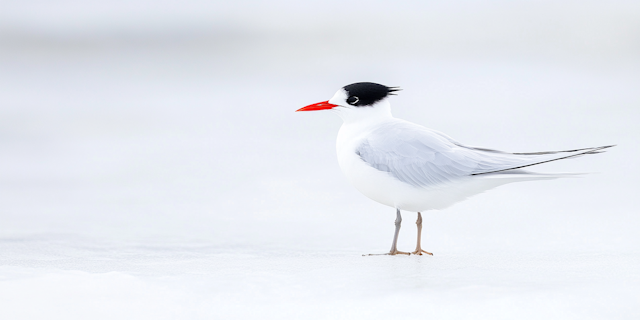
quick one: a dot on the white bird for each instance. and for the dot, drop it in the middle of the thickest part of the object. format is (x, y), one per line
(409, 167)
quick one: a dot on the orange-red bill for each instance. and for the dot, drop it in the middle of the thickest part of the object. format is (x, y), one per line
(324, 105)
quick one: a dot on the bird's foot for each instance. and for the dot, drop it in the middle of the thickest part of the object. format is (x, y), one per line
(390, 253)
(420, 252)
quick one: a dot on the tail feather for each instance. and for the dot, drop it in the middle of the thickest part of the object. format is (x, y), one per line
(573, 154)
(586, 151)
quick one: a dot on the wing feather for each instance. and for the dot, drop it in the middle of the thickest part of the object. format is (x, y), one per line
(422, 157)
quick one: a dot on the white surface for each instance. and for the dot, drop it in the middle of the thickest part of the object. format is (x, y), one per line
(62, 279)
(146, 175)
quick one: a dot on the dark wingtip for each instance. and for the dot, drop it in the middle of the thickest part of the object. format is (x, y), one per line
(600, 149)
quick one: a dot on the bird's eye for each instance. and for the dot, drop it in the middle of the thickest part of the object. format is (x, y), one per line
(353, 100)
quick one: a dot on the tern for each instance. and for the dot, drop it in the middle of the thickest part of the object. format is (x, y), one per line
(409, 167)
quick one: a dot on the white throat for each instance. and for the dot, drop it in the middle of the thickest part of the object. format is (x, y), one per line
(380, 111)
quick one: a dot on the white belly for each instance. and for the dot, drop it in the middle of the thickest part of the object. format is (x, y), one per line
(382, 187)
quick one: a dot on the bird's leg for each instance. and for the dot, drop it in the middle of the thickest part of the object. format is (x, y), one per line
(419, 250)
(394, 249)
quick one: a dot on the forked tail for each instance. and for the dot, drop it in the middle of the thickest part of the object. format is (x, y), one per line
(537, 158)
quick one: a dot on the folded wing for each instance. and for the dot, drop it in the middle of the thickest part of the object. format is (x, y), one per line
(422, 157)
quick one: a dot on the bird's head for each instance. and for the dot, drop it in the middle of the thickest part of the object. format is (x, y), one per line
(357, 101)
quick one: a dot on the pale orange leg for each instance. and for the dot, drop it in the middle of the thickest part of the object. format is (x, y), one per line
(394, 249)
(419, 250)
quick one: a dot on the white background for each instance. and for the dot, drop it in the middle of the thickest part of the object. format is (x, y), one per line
(152, 167)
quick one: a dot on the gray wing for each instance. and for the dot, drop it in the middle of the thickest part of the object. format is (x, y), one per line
(422, 157)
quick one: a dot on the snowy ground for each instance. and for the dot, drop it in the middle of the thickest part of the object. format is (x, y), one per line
(79, 278)
(154, 176)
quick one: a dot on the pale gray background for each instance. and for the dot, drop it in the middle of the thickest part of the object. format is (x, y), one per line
(152, 167)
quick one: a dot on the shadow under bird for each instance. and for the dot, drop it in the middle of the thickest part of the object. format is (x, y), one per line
(409, 167)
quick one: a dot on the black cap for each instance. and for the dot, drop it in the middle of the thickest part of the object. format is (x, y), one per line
(362, 94)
